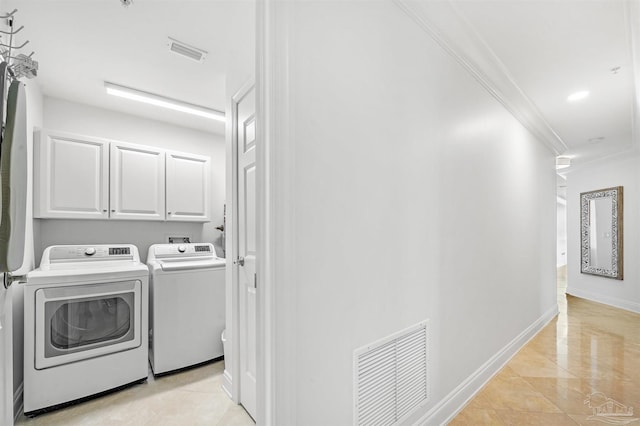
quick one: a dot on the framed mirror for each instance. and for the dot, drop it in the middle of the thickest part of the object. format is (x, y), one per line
(601, 232)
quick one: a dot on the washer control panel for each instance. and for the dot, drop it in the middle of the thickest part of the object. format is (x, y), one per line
(164, 251)
(93, 252)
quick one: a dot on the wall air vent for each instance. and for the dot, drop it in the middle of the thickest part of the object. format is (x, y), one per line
(391, 377)
(185, 50)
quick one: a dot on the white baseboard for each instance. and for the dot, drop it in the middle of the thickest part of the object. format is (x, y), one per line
(605, 299)
(227, 383)
(453, 403)
(18, 402)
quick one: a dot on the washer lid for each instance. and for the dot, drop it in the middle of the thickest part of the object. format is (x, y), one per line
(190, 264)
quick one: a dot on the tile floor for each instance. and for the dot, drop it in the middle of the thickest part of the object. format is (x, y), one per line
(192, 397)
(589, 353)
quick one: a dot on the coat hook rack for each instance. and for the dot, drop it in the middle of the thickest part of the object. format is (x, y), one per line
(21, 56)
(12, 32)
(15, 47)
(13, 12)
(20, 65)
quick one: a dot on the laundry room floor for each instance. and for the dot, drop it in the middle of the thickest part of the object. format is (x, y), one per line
(190, 397)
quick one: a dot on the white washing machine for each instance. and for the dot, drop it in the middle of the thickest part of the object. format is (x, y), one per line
(186, 302)
(85, 323)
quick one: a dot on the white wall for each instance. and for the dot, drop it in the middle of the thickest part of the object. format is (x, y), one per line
(414, 195)
(623, 172)
(87, 120)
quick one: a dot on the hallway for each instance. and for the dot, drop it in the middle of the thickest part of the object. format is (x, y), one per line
(588, 353)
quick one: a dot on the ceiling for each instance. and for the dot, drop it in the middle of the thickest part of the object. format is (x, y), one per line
(532, 54)
(552, 49)
(80, 44)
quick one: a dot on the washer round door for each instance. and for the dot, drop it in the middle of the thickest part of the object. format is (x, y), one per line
(84, 321)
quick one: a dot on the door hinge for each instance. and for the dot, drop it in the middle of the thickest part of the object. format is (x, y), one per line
(255, 280)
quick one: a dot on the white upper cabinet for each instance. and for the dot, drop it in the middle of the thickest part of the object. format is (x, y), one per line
(81, 177)
(136, 182)
(188, 186)
(71, 176)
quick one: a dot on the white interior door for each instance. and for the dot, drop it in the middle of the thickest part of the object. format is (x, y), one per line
(246, 169)
(6, 357)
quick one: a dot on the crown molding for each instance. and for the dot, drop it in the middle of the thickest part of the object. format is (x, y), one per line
(613, 157)
(445, 24)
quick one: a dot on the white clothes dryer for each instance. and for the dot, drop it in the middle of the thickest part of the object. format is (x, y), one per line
(187, 305)
(85, 322)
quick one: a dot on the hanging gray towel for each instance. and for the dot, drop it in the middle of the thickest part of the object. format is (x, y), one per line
(13, 174)
(3, 80)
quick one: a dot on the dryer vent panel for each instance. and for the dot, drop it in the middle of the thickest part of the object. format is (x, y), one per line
(391, 377)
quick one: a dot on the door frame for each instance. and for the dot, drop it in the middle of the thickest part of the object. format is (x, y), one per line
(275, 155)
(7, 401)
(275, 227)
(231, 376)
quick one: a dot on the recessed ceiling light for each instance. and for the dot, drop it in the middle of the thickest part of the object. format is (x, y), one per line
(578, 96)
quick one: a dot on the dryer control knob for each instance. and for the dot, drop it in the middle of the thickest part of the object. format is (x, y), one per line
(182, 249)
(90, 251)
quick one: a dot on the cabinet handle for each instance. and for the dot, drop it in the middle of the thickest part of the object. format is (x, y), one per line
(113, 211)
(104, 211)
(168, 212)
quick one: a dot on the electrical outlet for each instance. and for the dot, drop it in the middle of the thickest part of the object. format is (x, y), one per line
(178, 240)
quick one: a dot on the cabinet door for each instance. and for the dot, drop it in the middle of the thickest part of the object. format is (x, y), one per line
(137, 182)
(188, 186)
(72, 176)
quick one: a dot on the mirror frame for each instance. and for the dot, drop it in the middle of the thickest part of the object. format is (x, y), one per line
(616, 195)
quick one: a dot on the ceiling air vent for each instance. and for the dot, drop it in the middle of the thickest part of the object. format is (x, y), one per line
(185, 50)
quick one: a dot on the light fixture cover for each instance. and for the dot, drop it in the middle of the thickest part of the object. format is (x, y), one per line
(577, 96)
(162, 101)
(563, 162)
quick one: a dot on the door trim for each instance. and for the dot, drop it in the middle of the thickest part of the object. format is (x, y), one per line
(275, 266)
(7, 401)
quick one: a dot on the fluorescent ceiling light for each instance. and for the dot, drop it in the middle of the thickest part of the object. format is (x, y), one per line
(578, 96)
(161, 101)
